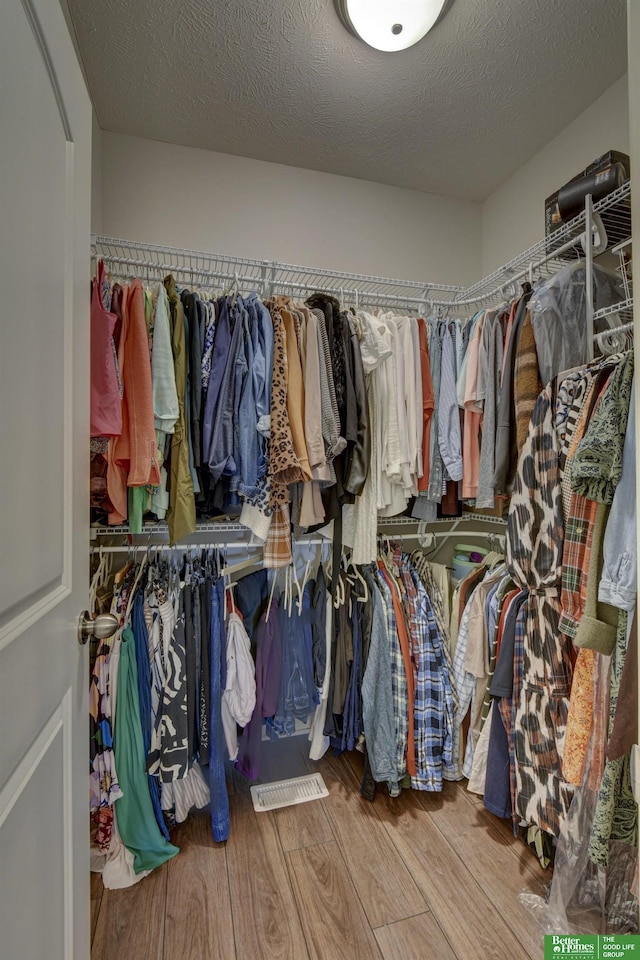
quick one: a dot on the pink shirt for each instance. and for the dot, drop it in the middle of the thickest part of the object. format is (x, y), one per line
(106, 406)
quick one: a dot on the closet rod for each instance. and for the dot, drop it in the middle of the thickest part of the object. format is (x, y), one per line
(461, 533)
(230, 527)
(618, 227)
(167, 268)
(115, 250)
(355, 294)
(184, 547)
(626, 306)
(610, 331)
(499, 291)
(260, 283)
(234, 545)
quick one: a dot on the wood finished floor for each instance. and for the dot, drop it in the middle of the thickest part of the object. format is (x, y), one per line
(420, 877)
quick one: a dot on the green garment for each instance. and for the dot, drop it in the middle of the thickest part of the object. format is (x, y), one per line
(134, 812)
(181, 516)
(596, 467)
(139, 499)
(616, 813)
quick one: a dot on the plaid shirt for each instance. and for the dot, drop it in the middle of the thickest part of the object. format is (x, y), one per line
(434, 711)
(578, 533)
(399, 690)
(465, 684)
(576, 557)
(508, 707)
(277, 549)
(436, 601)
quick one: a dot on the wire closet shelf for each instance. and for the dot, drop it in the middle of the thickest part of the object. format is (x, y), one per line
(610, 216)
(234, 533)
(265, 277)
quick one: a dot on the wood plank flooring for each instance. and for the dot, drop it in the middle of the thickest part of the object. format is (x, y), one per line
(418, 877)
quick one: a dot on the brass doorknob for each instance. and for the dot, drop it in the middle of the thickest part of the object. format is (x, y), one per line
(100, 627)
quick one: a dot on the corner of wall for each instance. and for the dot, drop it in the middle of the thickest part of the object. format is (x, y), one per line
(513, 215)
(96, 175)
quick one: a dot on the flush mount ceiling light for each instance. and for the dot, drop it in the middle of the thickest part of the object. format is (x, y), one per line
(389, 24)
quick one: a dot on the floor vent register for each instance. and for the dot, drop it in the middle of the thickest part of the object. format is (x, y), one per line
(286, 793)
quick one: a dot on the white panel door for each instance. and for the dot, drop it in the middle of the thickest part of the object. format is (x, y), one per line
(633, 59)
(45, 166)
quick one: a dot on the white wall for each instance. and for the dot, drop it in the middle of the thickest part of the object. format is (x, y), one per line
(513, 216)
(96, 175)
(181, 196)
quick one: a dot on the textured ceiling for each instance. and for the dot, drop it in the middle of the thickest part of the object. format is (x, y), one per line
(282, 80)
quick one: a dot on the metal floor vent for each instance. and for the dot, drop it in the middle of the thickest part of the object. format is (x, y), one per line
(286, 793)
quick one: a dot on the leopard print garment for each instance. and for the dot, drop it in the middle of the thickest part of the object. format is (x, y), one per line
(284, 466)
(534, 559)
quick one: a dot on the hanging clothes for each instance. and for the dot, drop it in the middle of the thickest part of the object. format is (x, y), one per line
(106, 406)
(534, 543)
(134, 811)
(181, 515)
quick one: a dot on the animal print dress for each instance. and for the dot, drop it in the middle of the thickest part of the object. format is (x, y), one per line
(534, 559)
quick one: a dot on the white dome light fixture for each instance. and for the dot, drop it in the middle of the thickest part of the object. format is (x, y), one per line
(390, 25)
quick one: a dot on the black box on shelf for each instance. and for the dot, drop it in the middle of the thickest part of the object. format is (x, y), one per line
(553, 205)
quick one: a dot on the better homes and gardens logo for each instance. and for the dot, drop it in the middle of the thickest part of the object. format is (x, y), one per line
(597, 948)
(573, 946)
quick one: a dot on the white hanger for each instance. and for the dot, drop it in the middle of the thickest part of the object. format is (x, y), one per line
(143, 564)
(269, 604)
(426, 538)
(598, 237)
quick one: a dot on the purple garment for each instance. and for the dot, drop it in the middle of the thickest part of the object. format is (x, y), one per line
(268, 642)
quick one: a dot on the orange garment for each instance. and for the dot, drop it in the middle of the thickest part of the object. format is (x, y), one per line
(405, 647)
(133, 457)
(118, 449)
(143, 452)
(428, 402)
(295, 392)
(580, 717)
(597, 758)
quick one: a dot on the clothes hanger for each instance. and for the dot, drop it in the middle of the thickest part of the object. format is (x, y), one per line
(233, 288)
(97, 580)
(305, 580)
(271, 592)
(615, 340)
(122, 573)
(340, 592)
(426, 538)
(358, 576)
(385, 553)
(256, 562)
(142, 568)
